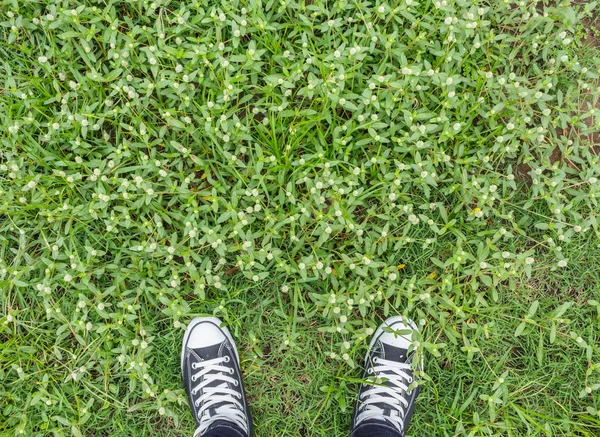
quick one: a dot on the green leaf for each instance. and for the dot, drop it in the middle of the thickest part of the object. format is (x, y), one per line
(520, 328)
(533, 309)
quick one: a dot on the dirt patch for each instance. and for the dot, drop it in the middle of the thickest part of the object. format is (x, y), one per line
(584, 133)
(592, 35)
(521, 173)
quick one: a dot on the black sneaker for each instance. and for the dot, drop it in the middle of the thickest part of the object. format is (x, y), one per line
(386, 408)
(212, 378)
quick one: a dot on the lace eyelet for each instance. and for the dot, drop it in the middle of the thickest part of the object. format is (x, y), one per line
(194, 366)
(193, 378)
(227, 358)
(231, 371)
(375, 360)
(370, 370)
(235, 383)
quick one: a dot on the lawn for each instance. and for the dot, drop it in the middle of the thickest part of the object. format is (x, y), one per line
(302, 170)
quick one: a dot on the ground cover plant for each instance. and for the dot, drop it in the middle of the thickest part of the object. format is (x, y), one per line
(301, 169)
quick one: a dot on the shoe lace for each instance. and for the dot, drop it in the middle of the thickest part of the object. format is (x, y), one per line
(390, 394)
(226, 403)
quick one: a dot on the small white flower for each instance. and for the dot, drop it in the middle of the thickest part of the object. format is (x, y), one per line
(42, 59)
(562, 263)
(529, 260)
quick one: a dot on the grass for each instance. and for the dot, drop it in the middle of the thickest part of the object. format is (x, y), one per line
(302, 170)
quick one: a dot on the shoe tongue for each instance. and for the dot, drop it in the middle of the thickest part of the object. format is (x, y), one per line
(227, 425)
(208, 352)
(392, 353)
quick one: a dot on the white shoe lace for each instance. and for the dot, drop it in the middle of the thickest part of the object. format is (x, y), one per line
(231, 408)
(390, 395)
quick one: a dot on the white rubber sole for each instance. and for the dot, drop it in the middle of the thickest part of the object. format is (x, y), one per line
(195, 322)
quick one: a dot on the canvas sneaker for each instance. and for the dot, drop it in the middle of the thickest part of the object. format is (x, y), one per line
(385, 403)
(212, 378)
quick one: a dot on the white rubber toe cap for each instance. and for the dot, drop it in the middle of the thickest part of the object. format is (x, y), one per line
(205, 334)
(397, 323)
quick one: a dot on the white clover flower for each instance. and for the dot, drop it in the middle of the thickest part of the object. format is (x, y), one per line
(562, 263)
(529, 260)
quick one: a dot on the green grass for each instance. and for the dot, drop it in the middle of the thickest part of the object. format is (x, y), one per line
(156, 165)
